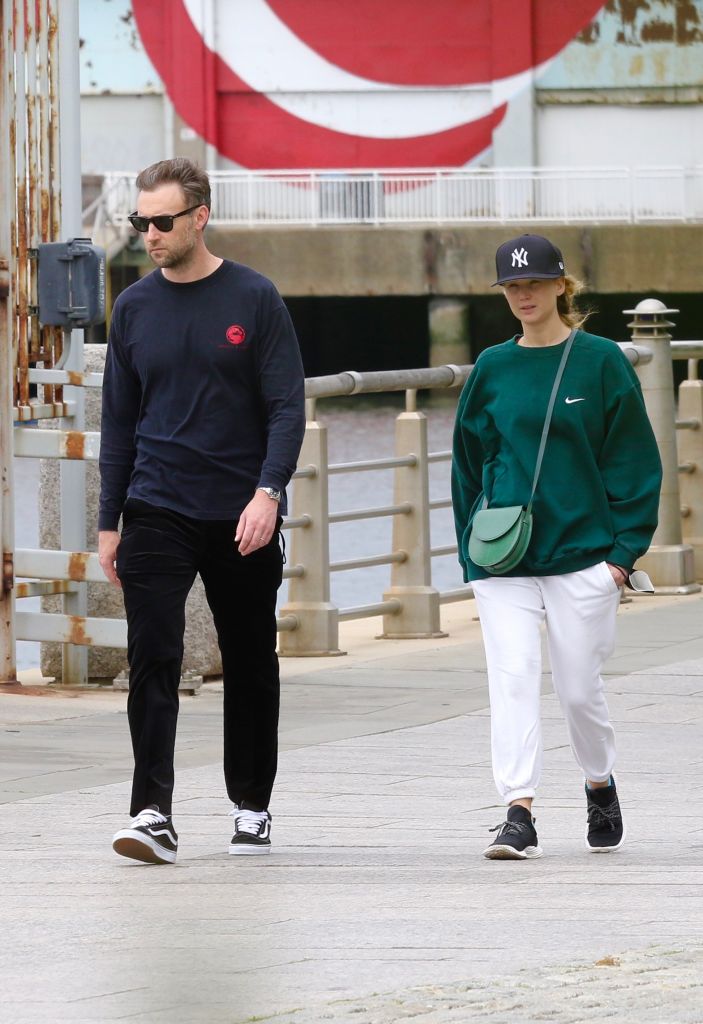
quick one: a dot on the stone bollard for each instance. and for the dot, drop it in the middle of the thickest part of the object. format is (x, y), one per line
(317, 633)
(669, 561)
(411, 579)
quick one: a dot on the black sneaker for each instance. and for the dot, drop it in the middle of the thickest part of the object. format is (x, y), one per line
(252, 832)
(150, 837)
(516, 839)
(605, 831)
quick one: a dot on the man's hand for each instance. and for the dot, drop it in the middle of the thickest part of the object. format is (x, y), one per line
(256, 523)
(108, 542)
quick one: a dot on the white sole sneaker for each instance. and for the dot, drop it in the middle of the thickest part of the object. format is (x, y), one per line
(510, 853)
(606, 849)
(248, 849)
(132, 843)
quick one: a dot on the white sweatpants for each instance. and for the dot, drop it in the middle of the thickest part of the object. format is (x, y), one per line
(579, 611)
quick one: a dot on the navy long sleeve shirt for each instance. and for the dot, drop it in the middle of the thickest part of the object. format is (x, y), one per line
(203, 395)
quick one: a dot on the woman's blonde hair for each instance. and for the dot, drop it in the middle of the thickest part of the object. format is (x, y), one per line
(566, 307)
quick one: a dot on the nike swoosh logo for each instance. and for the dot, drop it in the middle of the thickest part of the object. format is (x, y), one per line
(570, 401)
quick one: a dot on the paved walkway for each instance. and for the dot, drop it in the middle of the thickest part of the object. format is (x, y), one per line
(376, 905)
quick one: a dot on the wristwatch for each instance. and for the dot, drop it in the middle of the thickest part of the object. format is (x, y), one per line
(271, 492)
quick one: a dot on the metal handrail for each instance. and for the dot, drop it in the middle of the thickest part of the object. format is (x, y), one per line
(350, 382)
(349, 515)
(371, 464)
(366, 611)
(368, 561)
(61, 569)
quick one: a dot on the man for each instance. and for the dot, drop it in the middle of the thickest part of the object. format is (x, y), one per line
(203, 418)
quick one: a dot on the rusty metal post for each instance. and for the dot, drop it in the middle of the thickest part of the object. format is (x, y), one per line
(73, 499)
(8, 665)
(669, 562)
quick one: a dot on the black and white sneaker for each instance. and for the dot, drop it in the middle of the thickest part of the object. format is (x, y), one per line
(252, 832)
(605, 829)
(150, 837)
(516, 839)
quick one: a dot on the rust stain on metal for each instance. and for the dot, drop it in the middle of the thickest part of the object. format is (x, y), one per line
(679, 23)
(687, 15)
(78, 565)
(44, 214)
(75, 378)
(8, 571)
(22, 285)
(77, 633)
(47, 587)
(75, 444)
(657, 31)
(53, 27)
(590, 34)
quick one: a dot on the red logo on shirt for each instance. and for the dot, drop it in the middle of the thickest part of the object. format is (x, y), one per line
(236, 334)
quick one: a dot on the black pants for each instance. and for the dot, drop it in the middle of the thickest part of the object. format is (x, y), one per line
(157, 560)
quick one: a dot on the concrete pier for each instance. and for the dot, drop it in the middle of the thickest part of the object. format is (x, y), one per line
(376, 905)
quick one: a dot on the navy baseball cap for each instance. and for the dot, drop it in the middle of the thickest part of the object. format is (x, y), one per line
(528, 256)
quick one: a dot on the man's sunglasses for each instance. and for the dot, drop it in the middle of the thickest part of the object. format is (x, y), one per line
(162, 222)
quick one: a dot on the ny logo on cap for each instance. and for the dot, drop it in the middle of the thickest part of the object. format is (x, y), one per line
(519, 257)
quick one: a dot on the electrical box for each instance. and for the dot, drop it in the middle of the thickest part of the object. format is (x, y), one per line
(71, 283)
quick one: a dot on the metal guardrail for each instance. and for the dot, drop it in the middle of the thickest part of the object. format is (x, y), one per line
(633, 195)
(309, 622)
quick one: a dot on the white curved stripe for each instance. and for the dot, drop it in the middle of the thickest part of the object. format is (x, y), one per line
(272, 60)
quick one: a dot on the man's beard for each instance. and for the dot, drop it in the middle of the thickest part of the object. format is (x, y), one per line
(173, 259)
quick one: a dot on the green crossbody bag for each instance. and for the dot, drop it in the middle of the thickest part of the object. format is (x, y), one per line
(500, 537)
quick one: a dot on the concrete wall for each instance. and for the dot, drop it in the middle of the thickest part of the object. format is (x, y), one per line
(590, 134)
(459, 260)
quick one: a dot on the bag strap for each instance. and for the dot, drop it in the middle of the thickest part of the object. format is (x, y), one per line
(548, 417)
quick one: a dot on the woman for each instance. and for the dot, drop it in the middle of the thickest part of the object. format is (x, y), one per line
(595, 510)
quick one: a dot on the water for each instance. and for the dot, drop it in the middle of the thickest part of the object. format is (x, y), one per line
(357, 430)
(357, 433)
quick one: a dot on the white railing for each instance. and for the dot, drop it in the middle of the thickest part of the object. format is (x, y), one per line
(438, 195)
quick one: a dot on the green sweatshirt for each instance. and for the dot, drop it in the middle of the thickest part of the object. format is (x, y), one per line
(598, 492)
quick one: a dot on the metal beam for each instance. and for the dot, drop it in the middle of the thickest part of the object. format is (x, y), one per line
(75, 445)
(71, 629)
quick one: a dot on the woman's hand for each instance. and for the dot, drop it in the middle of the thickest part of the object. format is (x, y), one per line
(620, 576)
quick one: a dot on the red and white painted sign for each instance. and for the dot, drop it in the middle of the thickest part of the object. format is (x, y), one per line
(368, 83)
